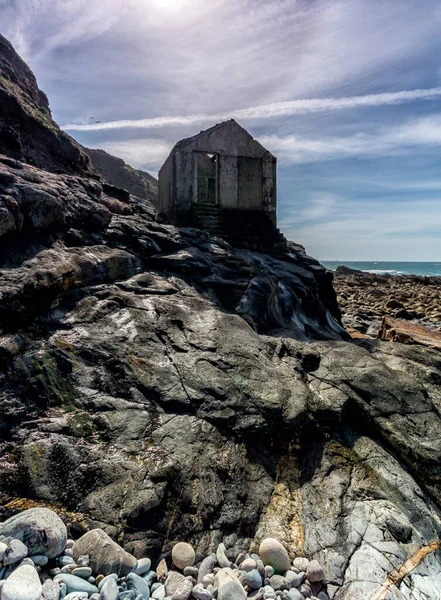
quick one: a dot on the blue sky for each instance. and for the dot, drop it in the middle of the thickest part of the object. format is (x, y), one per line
(346, 93)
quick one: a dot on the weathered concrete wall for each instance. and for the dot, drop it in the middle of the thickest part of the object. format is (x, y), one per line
(185, 177)
(166, 191)
(269, 186)
(228, 176)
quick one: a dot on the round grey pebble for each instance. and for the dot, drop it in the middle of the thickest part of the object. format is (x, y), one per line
(314, 572)
(39, 559)
(143, 566)
(106, 578)
(191, 572)
(14, 552)
(84, 572)
(254, 580)
(323, 596)
(158, 592)
(278, 582)
(63, 561)
(248, 565)
(301, 563)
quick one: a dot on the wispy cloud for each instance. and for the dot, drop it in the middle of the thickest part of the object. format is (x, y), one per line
(396, 140)
(147, 154)
(276, 109)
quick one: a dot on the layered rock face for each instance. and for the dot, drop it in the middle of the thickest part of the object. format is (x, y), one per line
(27, 130)
(163, 386)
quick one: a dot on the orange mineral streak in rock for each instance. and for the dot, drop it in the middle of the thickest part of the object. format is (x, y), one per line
(405, 332)
(397, 576)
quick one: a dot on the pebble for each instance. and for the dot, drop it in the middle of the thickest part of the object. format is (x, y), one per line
(301, 563)
(138, 585)
(22, 584)
(77, 596)
(143, 566)
(75, 584)
(3, 547)
(159, 592)
(83, 561)
(200, 593)
(208, 579)
(314, 572)
(206, 567)
(39, 559)
(183, 555)
(63, 561)
(50, 590)
(14, 552)
(254, 579)
(294, 594)
(269, 571)
(191, 572)
(248, 564)
(296, 579)
(273, 553)
(105, 555)
(231, 590)
(323, 596)
(162, 570)
(128, 595)
(84, 572)
(305, 590)
(221, 557)
(240, 558)
(68, 552)
(69, 544)
(102, 581)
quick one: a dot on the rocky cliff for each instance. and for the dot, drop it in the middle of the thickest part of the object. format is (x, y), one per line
(118, 173)
(162, 385)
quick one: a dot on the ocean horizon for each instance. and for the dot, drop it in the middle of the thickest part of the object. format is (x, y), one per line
(428, 269)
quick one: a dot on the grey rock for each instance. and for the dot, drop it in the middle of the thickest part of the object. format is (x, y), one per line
(63, 561)
(128, 595)
(82, 561)
(208, 579)
(297, 579)
(248, 564)
(39, 559)
(173, 581)
(254, 579)
(206, 567)
(183, 590)
(191, 572)
(278, 582)
(22, 584)
(294, 594)
(301, 563)
(232, 590)
(50, 590)
(221, 557)
(14, 552)
(273, 553)
(138, 585)
(143, 566)
(40, 529)
(76, 596)
(305, 590)
(322, 596)
(84, 572)
(269, 571)
(315, 572)
(159, 592)
(105, 556)
(200, 593)
(75, 584)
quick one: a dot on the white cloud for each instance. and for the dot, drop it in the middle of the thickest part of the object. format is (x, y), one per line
(276, 109)
(413, 134)
(142, 154)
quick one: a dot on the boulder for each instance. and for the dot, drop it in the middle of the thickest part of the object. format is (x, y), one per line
(22, 584)
(40, 529)
(273, 553)
(183, 555)
(399, 330)
(105, 556)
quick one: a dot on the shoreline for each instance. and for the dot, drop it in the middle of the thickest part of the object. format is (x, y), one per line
(365, 298)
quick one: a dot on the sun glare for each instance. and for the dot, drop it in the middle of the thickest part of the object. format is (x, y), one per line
(170, 6)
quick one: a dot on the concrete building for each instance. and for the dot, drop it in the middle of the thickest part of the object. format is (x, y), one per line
(218, 179)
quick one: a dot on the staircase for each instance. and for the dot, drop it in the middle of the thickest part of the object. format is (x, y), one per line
(250, 229)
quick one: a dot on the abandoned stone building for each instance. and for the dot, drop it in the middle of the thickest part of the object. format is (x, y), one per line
(224, 181)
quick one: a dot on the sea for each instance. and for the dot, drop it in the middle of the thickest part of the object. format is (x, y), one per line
(394, 268)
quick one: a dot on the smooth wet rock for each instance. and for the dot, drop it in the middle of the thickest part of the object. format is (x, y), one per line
(3, 547)
(174, 579)
(39, 559)
(82, 561)
(248, 564)
(138, 585)
(102, 582)
(254, 579)
(273, 553)
(64, 561)
(40, 529)
(183, 555)
(208, 579)
(84, 572)
(323, 596)
(294, 594)
(221, 557)
(22, 584)
(105, 555)
(75, 584)
(15, 552)
(143, 566)
(315, 572)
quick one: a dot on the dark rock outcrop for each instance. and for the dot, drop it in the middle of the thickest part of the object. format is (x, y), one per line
(118, 173)
(27, 130)
(162, 385)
